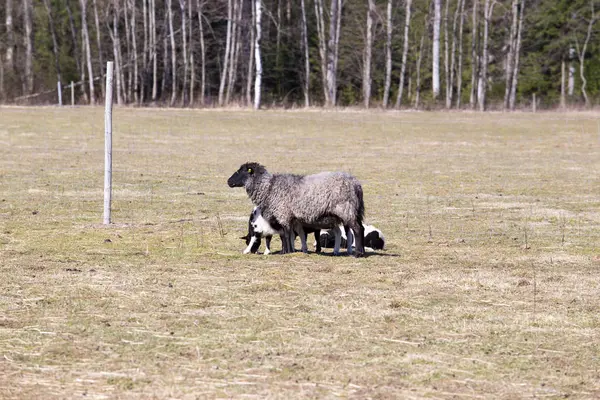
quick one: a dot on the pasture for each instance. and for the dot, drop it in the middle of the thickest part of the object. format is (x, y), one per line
(489, 287)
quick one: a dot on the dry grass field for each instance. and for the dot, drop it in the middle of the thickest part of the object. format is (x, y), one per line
(489, 287)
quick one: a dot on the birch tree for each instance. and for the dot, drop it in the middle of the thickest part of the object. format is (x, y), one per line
(54, 41)
(446, 56)
(10, 38)
(581, 53)
(435, 47)
(474, 56)
(322, 48)
(76, 53)
(368, 55)
(257, 56)
(482, 85)
(332, 50)
(460, 54)
(388, 54)
(226, 58)
(515, 69)
(306, 86)
(184, 51)
(404, 52)
(28, 39)
(153, 46)
(199, 7)
(134, 51)
(173, 54)
(86, 46)
(99, 45)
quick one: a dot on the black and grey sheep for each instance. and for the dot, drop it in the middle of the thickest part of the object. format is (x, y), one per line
(321, 200)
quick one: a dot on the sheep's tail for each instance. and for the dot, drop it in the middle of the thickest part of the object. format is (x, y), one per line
(360, 216)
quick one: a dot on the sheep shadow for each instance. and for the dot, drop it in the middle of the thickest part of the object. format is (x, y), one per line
(343, 254)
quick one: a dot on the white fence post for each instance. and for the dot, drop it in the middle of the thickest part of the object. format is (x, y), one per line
(72, 94)
(108, 142)
(59, 93)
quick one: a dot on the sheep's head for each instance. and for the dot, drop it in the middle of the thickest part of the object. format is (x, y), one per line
(247, 172)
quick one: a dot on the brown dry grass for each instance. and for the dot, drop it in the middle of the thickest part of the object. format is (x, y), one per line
(490, 286)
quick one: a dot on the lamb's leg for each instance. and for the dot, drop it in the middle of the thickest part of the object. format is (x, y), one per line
(268, 244)
(249, 248)
(338, 240)
(359, 238)
(349, 239)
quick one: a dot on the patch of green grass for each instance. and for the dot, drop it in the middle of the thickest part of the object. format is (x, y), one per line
(488, 287)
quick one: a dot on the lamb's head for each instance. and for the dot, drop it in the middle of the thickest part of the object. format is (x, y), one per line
(246, 175)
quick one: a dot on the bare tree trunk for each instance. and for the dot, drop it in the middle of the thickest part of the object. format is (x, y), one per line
(184, 92)
(581, 55)
(145, 47)
(235, 49)
(446, 57)
(28, 46)
(460, 54)
(388, 55)
(482, 86)
(88, 52)
(322, 47)
(136, 77)
(173, 54)
(510, 56)
(191, 53)
(99, 45)
(127, 67)
(404, 53)
(453, 55)
(515, 78)
(153, 45)
(202, 52)
(435, 60)
(228, 49)
(563, 100)
(114, 35)
(75, 43)
(418, 83)
(474, 56)
(571, 84)
(54, 42)
(250, 71)
(258, 77)
(10, 38)
(368, 55)
(306, 85)
(332, 53)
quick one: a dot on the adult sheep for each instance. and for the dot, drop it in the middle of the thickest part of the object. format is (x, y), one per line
(320, 200)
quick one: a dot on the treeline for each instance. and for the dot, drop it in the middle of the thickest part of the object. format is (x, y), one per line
(478, 54)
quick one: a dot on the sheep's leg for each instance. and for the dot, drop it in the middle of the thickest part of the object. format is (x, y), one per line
(318, 240)
(285, 243)
(338, 240)
(268, 244)
(359, 237)
(302, 235)
(349, 239)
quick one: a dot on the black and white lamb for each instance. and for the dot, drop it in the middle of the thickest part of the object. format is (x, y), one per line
(258, 227)
(323, 200)
(374, 238)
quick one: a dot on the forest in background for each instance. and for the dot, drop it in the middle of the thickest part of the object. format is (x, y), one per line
(430, 54)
